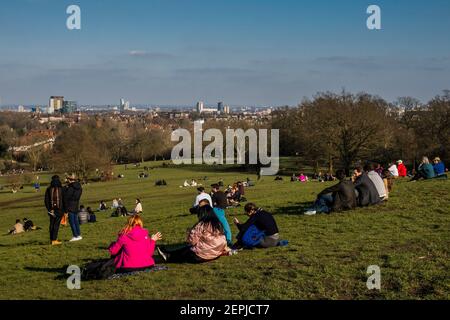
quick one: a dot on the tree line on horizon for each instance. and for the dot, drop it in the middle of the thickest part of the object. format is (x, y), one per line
(332, 130)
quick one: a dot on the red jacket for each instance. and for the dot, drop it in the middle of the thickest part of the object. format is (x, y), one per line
(402, 172)
(134, 249)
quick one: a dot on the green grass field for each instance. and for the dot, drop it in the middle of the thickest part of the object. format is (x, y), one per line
(327, 256)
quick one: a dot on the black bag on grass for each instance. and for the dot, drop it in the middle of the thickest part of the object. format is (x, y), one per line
(98, 270)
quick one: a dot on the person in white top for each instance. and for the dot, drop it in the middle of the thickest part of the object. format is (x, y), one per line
(115, 204)
(393, 170)
(202, 195)
(137, 209)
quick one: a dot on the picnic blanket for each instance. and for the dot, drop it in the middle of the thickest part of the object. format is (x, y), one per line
(132, 273)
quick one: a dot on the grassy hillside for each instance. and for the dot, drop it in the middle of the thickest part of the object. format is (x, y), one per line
(327, 257)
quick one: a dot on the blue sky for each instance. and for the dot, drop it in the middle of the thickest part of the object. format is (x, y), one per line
(242, 52)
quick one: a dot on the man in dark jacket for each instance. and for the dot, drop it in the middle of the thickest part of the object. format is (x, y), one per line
(219, 198)
(72, 195)
(366, 190)
(337, 198)
(264, 221)
(54, 203)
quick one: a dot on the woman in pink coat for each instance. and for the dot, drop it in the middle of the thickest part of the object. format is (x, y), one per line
(134, 249)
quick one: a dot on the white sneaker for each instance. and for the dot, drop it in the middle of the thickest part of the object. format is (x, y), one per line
(310, 212)
(162, 254)
(80, 238)
(75, 239)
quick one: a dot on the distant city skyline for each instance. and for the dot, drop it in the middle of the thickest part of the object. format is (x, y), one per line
(253, 52)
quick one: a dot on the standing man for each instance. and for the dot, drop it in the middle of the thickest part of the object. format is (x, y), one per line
(54, 202)
(72, 196)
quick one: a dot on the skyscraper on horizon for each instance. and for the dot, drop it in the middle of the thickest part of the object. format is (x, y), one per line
(69, 107)
(200, 106)
(220, 107)
(124, 105)
(55, 104)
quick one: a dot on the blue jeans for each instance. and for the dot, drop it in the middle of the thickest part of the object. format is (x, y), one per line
(74, 224)
(324, 203)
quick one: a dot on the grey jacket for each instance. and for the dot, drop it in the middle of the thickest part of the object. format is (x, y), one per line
(378, 182)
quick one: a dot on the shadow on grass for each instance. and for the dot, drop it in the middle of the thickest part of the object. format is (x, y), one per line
(61, 273)
(23, 244)
(183, 215)
(296, 209)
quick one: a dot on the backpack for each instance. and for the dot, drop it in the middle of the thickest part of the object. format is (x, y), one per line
(99, 270)
(252, 237)
(55, 198)
(92, 218)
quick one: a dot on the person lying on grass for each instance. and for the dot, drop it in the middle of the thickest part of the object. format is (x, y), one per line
(260, 230)
(206, 241)
(133, 250)
(17, 228)
(28, 225)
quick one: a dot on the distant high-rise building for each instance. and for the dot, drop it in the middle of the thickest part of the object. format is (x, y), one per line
(200, 106)
(226, 109)
(21, 109)
(124, 105)
(220, 107)
(69, 107)
(55, 104)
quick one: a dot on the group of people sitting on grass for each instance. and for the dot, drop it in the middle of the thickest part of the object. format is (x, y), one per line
(86, 215)
(235, 194)
(427, 170)
(119, 209)
(187, 184)
(25, 225)
(143, 175)
(369, 185)
(321, 177)
(209, 239)
(219, 199)
(300, 177)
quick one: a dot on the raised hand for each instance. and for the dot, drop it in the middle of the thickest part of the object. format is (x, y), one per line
(157, 236)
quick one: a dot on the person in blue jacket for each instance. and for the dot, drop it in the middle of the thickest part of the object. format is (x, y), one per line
(439, 167)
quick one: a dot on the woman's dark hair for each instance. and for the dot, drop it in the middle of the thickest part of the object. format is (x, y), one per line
(206, 215)
(138, 200)
(249, 207)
